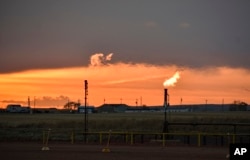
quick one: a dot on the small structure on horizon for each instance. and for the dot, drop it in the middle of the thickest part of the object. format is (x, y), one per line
(17, 108)
(90, 109)
(112, 108)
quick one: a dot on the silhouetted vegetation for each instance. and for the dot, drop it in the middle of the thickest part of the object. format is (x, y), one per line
(238, 106)
(71, 105)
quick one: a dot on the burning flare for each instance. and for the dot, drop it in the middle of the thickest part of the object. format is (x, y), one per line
(171, 81)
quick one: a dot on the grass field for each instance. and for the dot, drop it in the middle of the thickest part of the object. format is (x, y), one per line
(151, 121)
(32, 125)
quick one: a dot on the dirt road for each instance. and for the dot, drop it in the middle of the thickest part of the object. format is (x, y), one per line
(60, 151)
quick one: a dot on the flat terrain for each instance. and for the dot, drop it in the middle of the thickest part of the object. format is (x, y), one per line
(62, 151)
(21, 136)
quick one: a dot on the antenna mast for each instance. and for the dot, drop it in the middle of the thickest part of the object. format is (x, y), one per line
(85, 109)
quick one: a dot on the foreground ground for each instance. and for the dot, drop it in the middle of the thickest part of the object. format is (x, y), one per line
(60, 151)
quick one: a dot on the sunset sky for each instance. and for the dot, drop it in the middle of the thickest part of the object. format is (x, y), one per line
(48, 48)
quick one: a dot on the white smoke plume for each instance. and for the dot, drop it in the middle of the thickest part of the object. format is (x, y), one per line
(99, 59)
(171, 81)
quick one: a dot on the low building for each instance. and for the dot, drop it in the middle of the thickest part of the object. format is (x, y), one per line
(112, 108)
(17, 108)
(90, 109)
(45, 110)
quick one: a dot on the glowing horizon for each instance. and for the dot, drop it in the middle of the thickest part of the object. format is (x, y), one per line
(126, 83)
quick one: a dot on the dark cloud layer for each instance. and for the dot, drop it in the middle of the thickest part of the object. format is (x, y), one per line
(56, 34)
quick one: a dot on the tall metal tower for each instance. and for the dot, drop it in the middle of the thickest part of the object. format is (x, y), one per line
(85, 109)
(166, 105)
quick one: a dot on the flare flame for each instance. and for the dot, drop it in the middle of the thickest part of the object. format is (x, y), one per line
(171, 81)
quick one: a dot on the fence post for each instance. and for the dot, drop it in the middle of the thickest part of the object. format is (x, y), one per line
(132, 139)
(163, 140)
(199, 139)
(228, 138)
(127, 137)
(100, 137)
(204, 139)
(233, 138)
(45, 145)
(43, 137)
(188, 139)
(142, 138)
(72, 137)
(222, 141)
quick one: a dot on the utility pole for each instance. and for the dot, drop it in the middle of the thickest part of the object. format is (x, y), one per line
(141, 100)
(29, 105)
(223, 104)
(85, 109)
(34, 102)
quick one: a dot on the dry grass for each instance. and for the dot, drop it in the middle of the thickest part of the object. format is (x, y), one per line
(23, 125)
